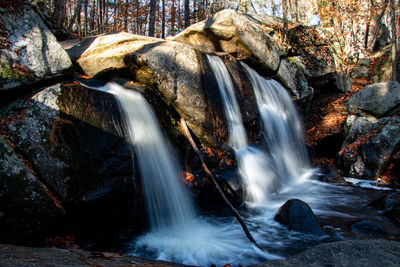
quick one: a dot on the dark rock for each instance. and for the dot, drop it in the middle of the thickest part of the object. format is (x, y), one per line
(368, 252)
(298, 216)
(389, 206)
(369, 146)
(27, 213)
(11, 256)
(376, 99)
(302, 36)
(29, 52)
(368, 228)
(71, 137)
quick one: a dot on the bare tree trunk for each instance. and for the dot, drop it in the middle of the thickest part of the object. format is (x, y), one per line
(375, 27)
(173, 17)
(76, 13)
(60, 12)
(163, 20)
(86, 17)
(285, 19)
(152, 21)
(394, 39)
(187, 14)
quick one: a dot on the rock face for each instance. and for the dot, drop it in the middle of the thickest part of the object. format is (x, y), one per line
(70, 137)
(369, 146)
(237, 34)
(383, 67)
(26, 211)
(298, 216)
(108, 51)
(377, 99)
(28, 51)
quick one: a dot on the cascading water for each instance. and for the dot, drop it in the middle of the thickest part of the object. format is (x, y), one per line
(176, 232)
(167, 202)
(284, 133)
(253, 164)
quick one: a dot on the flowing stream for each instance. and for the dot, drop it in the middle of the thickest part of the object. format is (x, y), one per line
(176, 232)
(284, 133)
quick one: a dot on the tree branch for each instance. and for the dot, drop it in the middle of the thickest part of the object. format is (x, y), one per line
(208, 172)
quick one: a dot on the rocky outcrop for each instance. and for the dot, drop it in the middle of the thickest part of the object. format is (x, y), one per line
(71, 139)
(28, 51)
(377, 99)
(368, 147)
(383, 65)
(237, 34)
(27, 213)
(316, 59)
(298, 216)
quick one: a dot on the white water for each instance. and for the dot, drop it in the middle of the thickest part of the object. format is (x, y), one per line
(284, 133)
(176, 234)
(254, 165)
(168, 204)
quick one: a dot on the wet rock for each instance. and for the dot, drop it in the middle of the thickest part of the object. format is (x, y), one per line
(11, 256)
(298, 216)
(389, 206)
(369, 146)
(28, 52)
(27, 213)
(235, 33)
(72, 138)
(376, 99)
(369, 228)
(368, 252)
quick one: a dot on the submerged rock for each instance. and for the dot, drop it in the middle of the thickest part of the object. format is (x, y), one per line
(29, 52)
(298, 216)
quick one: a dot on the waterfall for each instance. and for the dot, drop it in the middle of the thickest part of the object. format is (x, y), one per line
(168, 204)
(284, 133)
(177, 233)
(253, 164)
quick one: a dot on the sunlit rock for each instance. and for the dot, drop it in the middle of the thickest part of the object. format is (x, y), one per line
(377, 99)
(28, 51)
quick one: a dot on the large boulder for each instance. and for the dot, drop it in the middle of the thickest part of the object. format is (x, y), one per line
(292, 77)
(97, 54)
(27, 212)
(298, 216)
(383, 65)
(235, 33)
(28, 52)
(71, 138)
(171, 69)
(369, 146)
(316, 58)
(377, 99)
